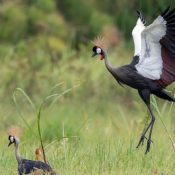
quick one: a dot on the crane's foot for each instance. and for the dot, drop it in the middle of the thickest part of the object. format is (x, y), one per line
(141, 141)
(148, 146)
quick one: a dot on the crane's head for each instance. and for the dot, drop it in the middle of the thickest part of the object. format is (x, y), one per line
(13, 139)
(99, 48)
(98, 51)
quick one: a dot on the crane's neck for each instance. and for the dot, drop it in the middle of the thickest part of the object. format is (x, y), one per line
(107, 63)
(113, 70)
(17, 154)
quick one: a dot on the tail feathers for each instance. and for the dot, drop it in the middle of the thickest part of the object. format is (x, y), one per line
(164, 95)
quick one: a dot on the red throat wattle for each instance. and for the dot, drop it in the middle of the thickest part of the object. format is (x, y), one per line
(102, 57)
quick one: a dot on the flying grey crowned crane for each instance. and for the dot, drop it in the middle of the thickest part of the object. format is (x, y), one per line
(26, 166)
(153, 66)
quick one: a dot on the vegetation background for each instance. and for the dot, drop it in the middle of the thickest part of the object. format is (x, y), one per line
(45, 48)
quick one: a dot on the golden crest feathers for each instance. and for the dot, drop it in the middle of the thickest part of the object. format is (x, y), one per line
(14, 131)
(100, 42)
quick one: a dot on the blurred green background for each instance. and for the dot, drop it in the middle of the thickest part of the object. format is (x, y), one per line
(45, 48)
(40, 38)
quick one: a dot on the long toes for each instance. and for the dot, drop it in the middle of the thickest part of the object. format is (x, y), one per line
(141, 141)
(148, 146)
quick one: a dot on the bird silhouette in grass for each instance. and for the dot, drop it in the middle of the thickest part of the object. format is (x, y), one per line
(26, 166)
(153, 66)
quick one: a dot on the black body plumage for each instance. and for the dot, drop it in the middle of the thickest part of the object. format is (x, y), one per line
(28, 166)
(129, 76)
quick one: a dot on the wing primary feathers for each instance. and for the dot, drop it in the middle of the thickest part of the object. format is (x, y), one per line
(166, 10)
(153, 37)
(169, 45)
(172, 30)
(140, 15)
(169, 15)
(160, 37)
(168, 41)
(172, 38)
(171, 25)
(171, 33)
(171, 53)
(172, 20)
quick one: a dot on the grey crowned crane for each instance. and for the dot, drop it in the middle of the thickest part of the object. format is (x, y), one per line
(153, 65)
(29, 166)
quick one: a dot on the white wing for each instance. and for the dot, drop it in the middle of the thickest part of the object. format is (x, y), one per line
(136, 33)
(150, 63)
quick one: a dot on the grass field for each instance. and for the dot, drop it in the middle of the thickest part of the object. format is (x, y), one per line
(94, 136)
(93, 129)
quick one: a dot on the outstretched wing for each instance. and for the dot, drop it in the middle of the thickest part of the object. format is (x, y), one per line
(158, 43)
(136, 33)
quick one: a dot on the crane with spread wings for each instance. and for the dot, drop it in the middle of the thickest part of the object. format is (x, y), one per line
(153, 66)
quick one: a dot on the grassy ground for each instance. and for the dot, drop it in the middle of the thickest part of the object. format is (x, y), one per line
(94, 129)
(96, 137)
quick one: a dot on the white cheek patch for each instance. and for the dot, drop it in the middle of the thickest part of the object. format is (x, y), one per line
(12, 139)
(98, 50)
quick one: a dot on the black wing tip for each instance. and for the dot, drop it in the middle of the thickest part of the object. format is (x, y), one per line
(169, 39)
(165, 11)
(140, 15)
(168, 14)
(138, 12)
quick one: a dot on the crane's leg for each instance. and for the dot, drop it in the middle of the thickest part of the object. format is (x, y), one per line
(143, 137)
(145, 95)
(151, 129)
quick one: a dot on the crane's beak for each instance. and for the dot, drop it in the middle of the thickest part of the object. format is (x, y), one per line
(10, 144)
(94, 54)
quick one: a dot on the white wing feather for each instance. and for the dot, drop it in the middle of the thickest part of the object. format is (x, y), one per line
(150, 63)
(136, 33)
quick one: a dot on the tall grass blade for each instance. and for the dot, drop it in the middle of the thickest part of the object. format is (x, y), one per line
(39, 132)
(62, 94)
(18, 108)
(55, 97)
(50, 97)
(154, 103)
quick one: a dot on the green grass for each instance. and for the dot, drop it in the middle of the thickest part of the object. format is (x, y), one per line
(95, 137)
(93, 129)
